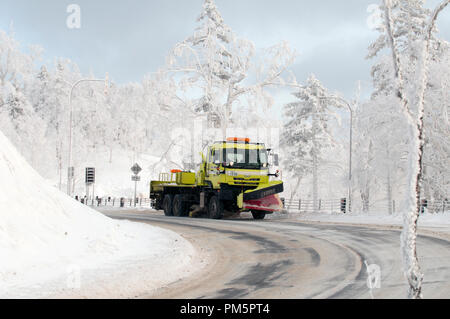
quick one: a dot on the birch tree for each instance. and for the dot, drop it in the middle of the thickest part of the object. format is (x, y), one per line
(408, 34)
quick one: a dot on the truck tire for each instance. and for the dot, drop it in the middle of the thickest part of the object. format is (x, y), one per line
(168, 205)
(158, 204)
(179, 207)
(215, 208)
(259, 214)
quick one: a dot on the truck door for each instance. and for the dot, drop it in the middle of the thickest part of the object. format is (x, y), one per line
(213, 166)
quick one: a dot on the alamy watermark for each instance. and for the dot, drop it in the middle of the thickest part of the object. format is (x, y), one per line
(74, 18)
(373, 277)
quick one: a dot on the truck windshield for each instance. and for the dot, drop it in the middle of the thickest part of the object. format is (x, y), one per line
(245, 158)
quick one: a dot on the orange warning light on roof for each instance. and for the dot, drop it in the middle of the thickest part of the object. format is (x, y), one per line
(238, 139)
(174, 171)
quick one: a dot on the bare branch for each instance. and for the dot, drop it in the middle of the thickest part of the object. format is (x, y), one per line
(392, 43)
(433, 20)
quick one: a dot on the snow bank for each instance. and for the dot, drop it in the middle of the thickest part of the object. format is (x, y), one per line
(48, 239)
(441, 220)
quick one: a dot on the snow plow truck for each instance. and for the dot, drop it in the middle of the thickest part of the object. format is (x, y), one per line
(234, 177)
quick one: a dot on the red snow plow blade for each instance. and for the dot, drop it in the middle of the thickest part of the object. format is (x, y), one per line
(271, 203)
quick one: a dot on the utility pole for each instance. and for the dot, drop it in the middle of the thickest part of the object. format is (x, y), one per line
(350, 174)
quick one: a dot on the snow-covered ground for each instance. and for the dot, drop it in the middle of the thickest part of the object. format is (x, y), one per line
(50, 245)
(439, 222)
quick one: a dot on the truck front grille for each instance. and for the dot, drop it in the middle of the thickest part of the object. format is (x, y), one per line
(246, 181)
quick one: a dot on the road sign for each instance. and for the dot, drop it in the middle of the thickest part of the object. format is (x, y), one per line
(135, 178)
(136, 169)
(90, 175)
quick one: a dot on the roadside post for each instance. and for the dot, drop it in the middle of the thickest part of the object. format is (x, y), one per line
(136, 169)
(70, 177)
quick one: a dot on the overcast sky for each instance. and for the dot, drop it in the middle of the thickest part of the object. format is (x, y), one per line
(131, 38)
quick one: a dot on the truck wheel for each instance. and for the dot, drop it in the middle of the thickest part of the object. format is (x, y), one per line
(179, 207)
(158, 204)
(259, 215)
(168, 205)
(215, 208)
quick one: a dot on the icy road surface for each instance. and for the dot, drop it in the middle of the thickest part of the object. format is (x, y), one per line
(289, 259)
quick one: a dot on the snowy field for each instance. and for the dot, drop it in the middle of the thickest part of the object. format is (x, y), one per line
(52, 246)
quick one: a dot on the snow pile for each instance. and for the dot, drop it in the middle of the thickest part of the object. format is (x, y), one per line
(45, 236)
(441, 220)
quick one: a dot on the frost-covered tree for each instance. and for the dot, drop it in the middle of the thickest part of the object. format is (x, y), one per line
(306, 133)
(17, 117)
(407, 32)
(381, 147)
(436, 175)
(15, 66)
(222, 69)
(45, 96)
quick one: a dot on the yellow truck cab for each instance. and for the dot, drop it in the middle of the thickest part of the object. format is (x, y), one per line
(234, 177)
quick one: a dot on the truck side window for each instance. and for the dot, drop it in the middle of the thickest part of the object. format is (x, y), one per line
(216, 156)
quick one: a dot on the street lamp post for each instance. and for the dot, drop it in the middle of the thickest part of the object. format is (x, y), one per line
(350, 175)
(69, 166)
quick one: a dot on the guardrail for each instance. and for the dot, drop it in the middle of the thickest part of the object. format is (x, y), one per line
(293, 205)
(341, 206)
(323, 205)
(115, 202)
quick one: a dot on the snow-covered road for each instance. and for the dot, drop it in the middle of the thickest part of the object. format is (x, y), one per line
(285, 258)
